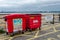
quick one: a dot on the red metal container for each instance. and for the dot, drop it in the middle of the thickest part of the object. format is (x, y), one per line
(21, 22)
(34, 21)
(15, 22)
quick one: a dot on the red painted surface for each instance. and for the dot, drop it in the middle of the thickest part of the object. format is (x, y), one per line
(34, 21)
(9, 25)
(10, 22)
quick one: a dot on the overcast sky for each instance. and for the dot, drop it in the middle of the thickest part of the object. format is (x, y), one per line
(30, 5)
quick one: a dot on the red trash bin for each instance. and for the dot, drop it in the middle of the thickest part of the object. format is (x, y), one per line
(34, 21)
(15, 22)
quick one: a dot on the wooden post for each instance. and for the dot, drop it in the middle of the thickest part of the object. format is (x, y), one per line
(59, 17)
(53, 18)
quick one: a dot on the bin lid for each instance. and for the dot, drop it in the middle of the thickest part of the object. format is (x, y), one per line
(14, 15)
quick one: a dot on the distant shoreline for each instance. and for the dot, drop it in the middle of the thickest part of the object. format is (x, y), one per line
(29, 11)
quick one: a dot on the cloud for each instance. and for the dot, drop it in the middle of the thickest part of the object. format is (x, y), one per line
(27, 4)
(16, 2)
(24, 2)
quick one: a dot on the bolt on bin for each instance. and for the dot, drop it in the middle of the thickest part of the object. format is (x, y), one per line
(15, 23)
(34, 21)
